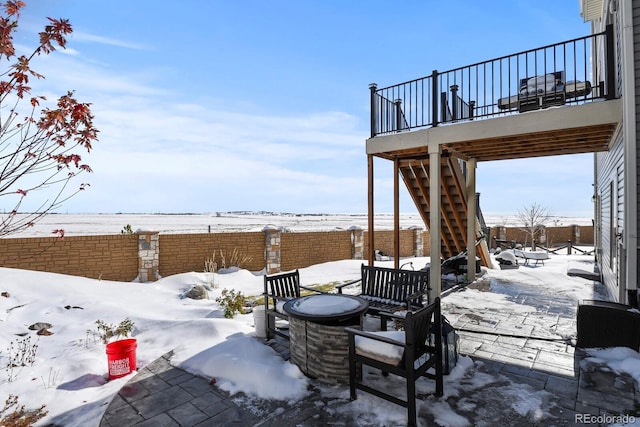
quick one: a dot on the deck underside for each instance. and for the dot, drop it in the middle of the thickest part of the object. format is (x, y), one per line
(556, 131)
(577, 129)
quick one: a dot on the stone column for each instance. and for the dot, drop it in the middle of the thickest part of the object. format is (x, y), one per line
(418, 241)
(357, 242)
(500, 233)
(148, 256)
(542, 236)
(272, 249)
(575, 234)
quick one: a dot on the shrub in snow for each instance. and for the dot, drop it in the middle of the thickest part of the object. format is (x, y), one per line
(14, 414)
(232, 301)
(108, 332)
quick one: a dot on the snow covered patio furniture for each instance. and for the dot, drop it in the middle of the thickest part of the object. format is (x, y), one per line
(389, 290)
(318, 342)
(537, 256)
(457, 266)
(278, 289)
(380, 256)
(409, 354)
(507, 260)
(544, 91)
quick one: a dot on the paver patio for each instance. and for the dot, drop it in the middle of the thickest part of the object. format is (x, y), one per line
(520, 351)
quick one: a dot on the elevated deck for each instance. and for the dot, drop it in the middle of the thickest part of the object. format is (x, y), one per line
(584, 128)
(546, 101)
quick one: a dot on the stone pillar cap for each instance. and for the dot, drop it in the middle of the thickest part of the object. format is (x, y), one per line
(146, 231)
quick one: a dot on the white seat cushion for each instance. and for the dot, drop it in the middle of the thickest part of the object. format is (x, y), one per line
(381, 351)
(280, 304)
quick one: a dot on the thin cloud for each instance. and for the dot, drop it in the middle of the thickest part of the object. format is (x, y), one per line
(33, 26)
(69, 51)
(159, 154)
(80, 36)
(234, 112)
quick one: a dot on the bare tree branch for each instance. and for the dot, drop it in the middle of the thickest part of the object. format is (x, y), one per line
(533, 218)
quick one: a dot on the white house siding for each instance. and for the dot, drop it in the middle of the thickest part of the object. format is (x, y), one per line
(610, 190)
(610, 178)
(635, 252)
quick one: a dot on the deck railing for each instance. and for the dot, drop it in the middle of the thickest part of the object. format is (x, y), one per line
(557, 74)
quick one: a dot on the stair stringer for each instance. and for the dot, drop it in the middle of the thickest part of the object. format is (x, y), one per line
(453, 204)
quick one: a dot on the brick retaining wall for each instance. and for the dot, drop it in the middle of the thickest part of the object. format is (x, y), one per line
(384, 242)
(304, 249)
(108, 257)
(181, 253)
(125, 257)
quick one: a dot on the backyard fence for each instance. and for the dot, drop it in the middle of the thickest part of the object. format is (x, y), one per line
(546, 236)
(148, 255)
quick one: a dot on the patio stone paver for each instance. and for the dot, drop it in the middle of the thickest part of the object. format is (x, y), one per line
(187, 415)
(562, 386)
(161, 401)
(160, 420)
(524, 353)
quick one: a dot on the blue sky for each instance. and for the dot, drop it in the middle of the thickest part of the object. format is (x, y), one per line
(213, 106)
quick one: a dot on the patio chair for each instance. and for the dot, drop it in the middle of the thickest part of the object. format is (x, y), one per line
(409, 354)
(278, 289)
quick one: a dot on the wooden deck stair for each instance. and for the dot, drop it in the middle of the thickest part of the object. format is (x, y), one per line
(453, 230)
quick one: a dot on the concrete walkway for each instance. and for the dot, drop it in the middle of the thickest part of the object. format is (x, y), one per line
(520, 350)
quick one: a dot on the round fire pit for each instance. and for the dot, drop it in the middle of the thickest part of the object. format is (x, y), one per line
(317, 341)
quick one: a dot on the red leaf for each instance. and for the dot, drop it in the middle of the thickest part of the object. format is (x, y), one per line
(13, 7)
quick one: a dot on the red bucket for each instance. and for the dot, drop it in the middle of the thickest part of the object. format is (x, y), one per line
(122, 357)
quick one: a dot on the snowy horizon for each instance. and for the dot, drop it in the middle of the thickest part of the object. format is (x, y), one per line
(236, 221)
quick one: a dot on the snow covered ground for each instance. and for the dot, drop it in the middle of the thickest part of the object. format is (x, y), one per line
(67, 371)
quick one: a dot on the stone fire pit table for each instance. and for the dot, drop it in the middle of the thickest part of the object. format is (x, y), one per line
(318, 343)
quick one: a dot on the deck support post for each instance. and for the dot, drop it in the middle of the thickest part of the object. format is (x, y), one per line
(471, 220)
(396, 213)
(374, 129)
(435, 276)
(371, 255)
